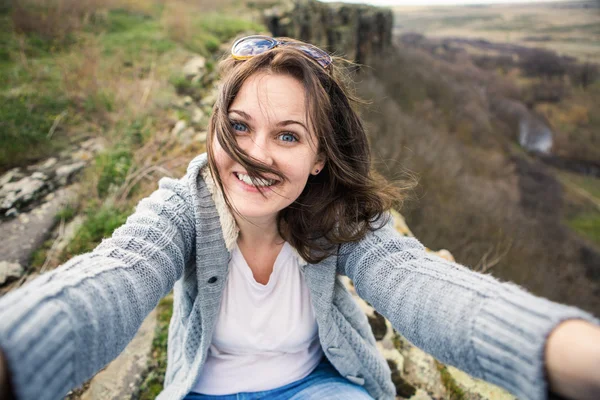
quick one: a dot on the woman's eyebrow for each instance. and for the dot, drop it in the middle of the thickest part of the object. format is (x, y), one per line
(281, 123)
(290, 122)
(243, 114)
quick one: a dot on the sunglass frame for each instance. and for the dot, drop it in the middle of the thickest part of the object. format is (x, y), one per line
(325, 60)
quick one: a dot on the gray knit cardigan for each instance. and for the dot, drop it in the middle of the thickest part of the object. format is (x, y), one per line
(63, 327)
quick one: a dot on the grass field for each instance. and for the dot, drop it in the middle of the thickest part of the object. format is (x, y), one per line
(569, 28)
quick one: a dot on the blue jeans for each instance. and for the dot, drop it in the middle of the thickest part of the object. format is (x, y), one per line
(324, 383)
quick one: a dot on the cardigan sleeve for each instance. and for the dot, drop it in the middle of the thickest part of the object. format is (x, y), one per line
(60, 329)
(493, 330)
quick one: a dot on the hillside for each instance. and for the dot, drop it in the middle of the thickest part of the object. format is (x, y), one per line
(506, 140)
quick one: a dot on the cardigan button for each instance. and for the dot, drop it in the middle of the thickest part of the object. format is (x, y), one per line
(212, 279)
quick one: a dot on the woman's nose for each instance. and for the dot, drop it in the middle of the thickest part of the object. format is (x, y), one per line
(259, 149)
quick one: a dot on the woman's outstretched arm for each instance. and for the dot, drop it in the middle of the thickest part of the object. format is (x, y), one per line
(495, 331)
(60, 329)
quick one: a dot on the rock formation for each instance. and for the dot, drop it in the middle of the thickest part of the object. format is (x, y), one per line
(356, 32)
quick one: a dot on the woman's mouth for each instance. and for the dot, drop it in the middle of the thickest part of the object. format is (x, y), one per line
(255, 183)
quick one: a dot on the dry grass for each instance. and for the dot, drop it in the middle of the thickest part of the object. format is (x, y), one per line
(575, 123)
(564, 28)
(53, 19)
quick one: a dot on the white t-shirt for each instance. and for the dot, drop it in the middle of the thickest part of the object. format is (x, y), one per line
(266, 335)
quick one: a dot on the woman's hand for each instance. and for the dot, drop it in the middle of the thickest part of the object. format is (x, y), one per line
(5, 389)
(573, 360)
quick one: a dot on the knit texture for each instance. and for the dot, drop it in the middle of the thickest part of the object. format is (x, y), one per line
(66, 325)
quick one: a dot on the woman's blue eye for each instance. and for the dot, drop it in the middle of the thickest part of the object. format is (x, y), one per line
(288, 137)
(238, 126)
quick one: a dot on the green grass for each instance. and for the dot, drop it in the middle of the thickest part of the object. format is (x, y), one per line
(66, 214)
(119, 21)
(185, 87)
(137, 131)
(39, 255)
(224, 27)
(25, 121)
(112, 167)
(136, 35)
(134, 38)
(455, 392)
(587, 224)
(210, 30)
(153, 382)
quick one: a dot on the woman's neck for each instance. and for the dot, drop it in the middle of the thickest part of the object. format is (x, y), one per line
(258, 234)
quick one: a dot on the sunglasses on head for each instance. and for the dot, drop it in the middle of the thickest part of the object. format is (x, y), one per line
(250, 46)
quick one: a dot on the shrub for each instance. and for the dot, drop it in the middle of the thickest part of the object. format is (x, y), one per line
(541, 62)
(584, 74)
(546, 90)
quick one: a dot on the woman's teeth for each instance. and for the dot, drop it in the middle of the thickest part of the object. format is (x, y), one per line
(257, 182)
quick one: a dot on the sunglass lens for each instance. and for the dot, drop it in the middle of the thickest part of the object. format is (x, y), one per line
(314, 52)
(252, 46)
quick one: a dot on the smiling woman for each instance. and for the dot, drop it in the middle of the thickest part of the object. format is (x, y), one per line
(254, 259)
(284, 118)
(265, 116)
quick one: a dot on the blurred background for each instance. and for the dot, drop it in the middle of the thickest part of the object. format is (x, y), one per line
(494, 107)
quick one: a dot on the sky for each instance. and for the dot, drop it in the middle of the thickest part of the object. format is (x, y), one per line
(438, 2)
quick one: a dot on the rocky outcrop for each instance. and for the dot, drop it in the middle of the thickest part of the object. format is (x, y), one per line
(356, 32)
(30, 199)
(22, 189)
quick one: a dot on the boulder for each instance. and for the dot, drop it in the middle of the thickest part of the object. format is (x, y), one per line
(10, 271)
(194, 67)
(65, 173)
(23, 191)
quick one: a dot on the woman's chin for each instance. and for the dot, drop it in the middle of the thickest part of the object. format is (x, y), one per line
(253, 215)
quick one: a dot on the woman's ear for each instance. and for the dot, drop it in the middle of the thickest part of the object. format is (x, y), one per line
(319, 164)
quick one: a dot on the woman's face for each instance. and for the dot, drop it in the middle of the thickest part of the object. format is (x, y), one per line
(269, 117)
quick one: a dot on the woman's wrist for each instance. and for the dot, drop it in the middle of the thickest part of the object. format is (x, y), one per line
(572, 360)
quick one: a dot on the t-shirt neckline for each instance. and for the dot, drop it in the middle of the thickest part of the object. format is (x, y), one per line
(282, 258)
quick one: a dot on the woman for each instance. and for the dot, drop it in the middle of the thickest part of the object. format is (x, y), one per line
(251, 240)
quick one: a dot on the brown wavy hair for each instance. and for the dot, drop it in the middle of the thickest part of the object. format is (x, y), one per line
(347, 198)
